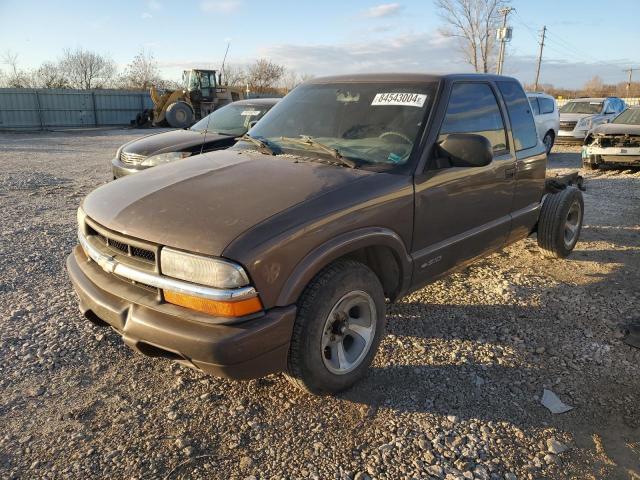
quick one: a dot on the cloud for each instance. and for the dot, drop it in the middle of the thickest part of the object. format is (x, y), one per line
(146, 15)
(223, 6)
(154, 5)
(428, 52)
(383, 10)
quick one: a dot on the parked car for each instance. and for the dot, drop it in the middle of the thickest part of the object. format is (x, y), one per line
(216, 131)
(616, 143)
(546, 116)
(580, 115)
(278, 253)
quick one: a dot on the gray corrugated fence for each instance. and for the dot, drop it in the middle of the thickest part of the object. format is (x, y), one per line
(25, 108)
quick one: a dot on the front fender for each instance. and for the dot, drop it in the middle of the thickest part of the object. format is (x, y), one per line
(338, 247)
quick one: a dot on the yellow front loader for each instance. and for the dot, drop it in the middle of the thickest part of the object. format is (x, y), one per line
(201, 95)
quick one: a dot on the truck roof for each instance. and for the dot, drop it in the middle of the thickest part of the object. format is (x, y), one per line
(406, 77)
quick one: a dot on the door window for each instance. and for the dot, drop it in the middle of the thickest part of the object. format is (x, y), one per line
(546, 105)
(473, 109)
(522, 123)
(533, 101)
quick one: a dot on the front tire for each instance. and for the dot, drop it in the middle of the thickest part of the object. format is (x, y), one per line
(179, 115)
(560, 222)
(548, 141)
(340, 323)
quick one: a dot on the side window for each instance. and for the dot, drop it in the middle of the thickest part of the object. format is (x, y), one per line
(533, 101)
(546, 105)
(522, 124)
(473, 109)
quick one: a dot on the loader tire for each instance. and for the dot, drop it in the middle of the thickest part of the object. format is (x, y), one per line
(179, 115)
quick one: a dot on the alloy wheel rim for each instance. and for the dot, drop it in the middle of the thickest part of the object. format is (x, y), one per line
(572, 224)
(348, 332)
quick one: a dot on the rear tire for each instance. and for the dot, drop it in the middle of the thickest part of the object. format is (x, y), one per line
(339, 325)
(548, 141)
(589, 166)
(560, 222)
(179, 115)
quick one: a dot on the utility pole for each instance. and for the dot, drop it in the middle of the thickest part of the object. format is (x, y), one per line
(544, 32)
(504, 35)
(630, 70)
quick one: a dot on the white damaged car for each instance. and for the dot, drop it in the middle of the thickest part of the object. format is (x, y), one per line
(616, 143)
(580, 115)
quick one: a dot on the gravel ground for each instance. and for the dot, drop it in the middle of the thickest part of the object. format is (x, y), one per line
(454, 392)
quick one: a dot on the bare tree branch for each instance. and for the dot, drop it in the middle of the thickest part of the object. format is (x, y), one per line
(474, 24)
(86, 70)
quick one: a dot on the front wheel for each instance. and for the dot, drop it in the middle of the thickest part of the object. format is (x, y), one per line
(560, 222)
(340, 322)
(548, 141)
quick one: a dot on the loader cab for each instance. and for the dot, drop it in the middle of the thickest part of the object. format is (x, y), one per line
(201, 84)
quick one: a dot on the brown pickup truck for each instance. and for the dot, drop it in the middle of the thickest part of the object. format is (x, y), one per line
(278, 255)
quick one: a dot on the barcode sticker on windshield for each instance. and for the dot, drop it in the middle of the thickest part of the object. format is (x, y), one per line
(406, 99)
(250, 113)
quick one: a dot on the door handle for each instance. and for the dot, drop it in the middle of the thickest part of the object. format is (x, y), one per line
(510, 172)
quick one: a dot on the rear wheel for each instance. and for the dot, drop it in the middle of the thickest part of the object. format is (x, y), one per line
(179, 115)
(560, 222)
(548, 140)
(340, 322)
(589, 166)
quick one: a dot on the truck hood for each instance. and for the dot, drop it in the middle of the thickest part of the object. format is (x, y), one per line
(173, 141)
(202, 203)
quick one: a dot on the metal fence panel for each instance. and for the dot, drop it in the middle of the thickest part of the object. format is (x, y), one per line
(59, 108)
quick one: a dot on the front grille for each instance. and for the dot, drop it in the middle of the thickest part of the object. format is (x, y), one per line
(568, 125)
(131, 158)
(147, 256)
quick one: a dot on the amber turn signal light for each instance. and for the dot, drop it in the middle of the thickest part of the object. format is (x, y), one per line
(215, 307)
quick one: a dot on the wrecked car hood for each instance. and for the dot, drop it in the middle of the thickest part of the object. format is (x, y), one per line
(616, 129)
(202, 203)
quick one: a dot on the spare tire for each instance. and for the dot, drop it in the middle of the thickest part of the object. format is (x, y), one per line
(179, 115)
(560, 222)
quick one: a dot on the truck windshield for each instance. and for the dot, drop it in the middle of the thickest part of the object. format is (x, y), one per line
(370, 123)
(231, 119)
(631, 116)
(581, 107)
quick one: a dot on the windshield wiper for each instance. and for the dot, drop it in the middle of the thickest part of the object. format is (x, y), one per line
(309, 141)
(262, 144)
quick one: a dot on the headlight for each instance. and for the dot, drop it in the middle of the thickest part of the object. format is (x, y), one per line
(213, 272)
(584, 123)
(154, 160)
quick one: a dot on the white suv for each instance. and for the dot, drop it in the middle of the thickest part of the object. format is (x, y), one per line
(545, 113)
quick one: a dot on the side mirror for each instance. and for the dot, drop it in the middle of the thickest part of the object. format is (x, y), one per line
(466, 150)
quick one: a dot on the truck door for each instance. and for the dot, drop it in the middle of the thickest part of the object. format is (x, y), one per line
(463, 212)
(531, 160)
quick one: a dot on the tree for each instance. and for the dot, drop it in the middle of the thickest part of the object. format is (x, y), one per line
(292, 79)
(594, 86)
(50, 75)
(264, 75)
(15, 77)
(474, 24)
(142, 72)
(234, 75)
(85, 69)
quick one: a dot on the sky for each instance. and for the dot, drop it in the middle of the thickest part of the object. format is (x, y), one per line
(585, 37)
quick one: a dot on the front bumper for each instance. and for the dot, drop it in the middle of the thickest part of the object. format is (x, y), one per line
(572, 135)
(120, 169)
(247, 349)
